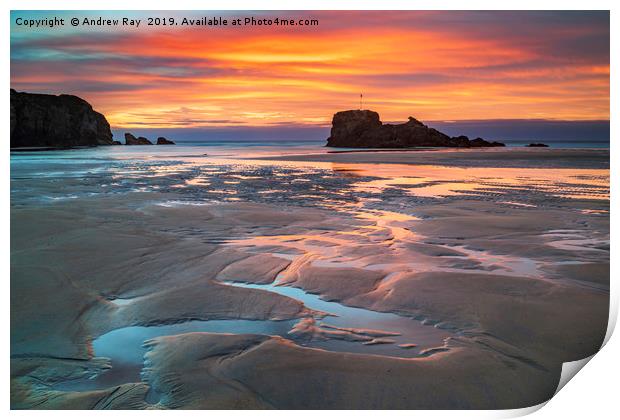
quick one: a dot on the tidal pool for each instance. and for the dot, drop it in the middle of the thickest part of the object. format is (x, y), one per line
(124, 346)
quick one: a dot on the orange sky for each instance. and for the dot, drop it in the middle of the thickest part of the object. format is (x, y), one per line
(433, 65)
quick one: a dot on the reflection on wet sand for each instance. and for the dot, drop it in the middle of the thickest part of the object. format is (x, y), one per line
(435, 274)
(441, 181)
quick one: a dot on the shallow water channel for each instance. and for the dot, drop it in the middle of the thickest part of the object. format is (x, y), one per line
(124, 346)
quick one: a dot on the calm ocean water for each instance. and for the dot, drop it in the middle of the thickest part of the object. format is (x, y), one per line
(319, 144)
(563, 144)
(77, 162)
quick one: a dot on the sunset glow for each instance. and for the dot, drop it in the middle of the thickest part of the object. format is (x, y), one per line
(434, 65)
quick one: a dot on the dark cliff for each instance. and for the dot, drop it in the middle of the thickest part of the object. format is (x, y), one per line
(364, 129)
(39, 120)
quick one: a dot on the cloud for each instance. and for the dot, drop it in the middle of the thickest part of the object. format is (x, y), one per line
(431, 64)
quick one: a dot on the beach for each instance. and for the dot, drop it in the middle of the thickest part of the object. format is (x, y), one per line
(281, 277)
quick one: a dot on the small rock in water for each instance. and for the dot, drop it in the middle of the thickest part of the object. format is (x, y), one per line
(163, 140)
(131, 140)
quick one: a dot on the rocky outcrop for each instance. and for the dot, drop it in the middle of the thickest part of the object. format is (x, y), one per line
(537, 145)
(116, 143)
(39, 120)
(163, 140)
(359, 128)
(131, 140)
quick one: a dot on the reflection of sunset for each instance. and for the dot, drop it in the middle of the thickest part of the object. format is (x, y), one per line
(442, 181)
(474, 67)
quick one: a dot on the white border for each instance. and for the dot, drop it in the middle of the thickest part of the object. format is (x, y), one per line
(592, 394)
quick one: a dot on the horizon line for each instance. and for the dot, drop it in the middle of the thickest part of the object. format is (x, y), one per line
(327, 125)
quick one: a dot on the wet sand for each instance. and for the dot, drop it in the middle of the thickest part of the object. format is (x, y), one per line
(510, 157)
(502, 275)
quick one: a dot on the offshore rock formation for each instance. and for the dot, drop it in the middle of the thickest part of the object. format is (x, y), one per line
(163, 140)
(362, 128)
(537, 145)
(39, 120)
(131, 140)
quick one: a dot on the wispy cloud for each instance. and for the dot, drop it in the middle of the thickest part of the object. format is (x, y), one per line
(434, 65)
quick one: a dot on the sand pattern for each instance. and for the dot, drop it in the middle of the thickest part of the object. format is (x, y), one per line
(479, 283)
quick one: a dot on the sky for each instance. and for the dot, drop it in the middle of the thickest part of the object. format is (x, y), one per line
(453, 68)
